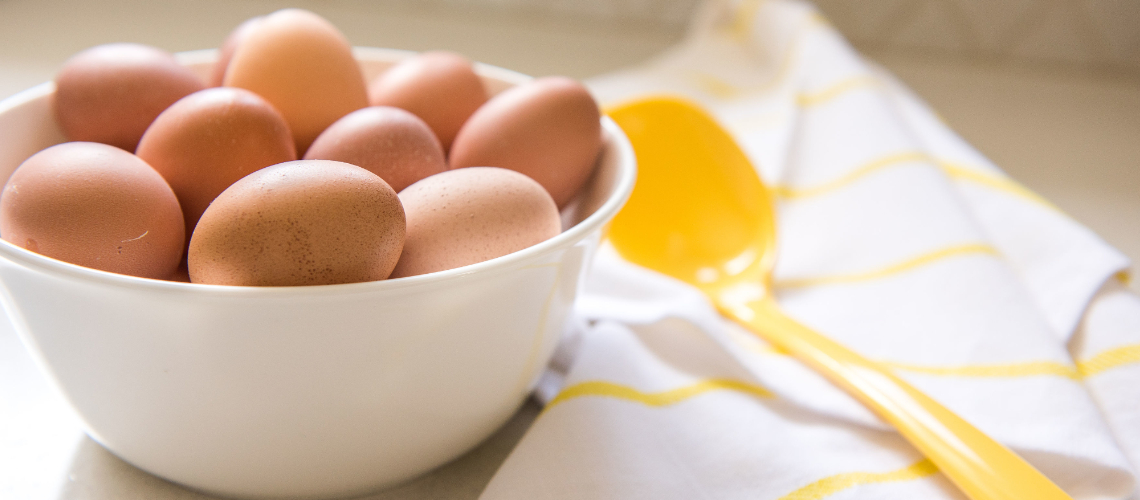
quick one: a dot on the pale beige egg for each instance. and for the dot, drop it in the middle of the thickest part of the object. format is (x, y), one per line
(229, 46)
(303, 65)
(470, 215)
(439, 87)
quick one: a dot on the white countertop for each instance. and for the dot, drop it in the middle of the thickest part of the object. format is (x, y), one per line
(1071, 136)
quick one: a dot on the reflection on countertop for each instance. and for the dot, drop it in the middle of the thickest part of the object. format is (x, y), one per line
(96, 474)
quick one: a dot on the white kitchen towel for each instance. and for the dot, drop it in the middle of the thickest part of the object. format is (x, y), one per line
(896, 239)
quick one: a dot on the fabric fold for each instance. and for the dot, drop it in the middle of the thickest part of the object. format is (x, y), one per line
(897, 239)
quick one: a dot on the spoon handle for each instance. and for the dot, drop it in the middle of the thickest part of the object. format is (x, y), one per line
(981, 467)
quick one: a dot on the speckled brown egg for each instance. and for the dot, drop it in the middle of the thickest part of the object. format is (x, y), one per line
(96, 206)
(229, 46)
(470, 215)
(303, 65)
(305, 222)
(210, 139)
(387, 141)
(547, 128)
(439, 87)
(111, 93)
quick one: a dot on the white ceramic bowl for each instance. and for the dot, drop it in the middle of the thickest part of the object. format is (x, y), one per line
(323, 391)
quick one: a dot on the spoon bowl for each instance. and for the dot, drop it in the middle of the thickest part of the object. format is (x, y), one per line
(680, 219)
(700, 213)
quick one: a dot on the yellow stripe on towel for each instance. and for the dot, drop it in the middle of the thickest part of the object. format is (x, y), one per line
(953, 170)
(1005, 370)
(744, 19)
(999, 183)
(1099, 363)
(714, 85)
(599, 388)
(1124, 277)
(722, 89)
(808, 100)
(901, 267)
(1107, 360)
(834, 484)
(1027, 369)
(870, 167)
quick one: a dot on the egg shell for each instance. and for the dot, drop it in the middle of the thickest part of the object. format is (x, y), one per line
(305, 222)
(548, 128)
(209, 140)
(181, 275)
(462, 217)
(111, 93)
(303, 65)
(387, 141)
(439, 87)
(229, 46)
(96, 206)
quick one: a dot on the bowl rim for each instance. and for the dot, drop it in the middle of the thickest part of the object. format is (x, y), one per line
(622, 188)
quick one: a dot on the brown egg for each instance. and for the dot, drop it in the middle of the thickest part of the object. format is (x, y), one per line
(440, 87)
(305, 222)
(210, 139)
(547, 128)
(96, 206)
(303, 65)
(387, 141)
(181, 275)
(470, 215)
(226, 52)
(111, 93)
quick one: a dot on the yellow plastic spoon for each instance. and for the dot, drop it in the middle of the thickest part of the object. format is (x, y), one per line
(700, 213)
